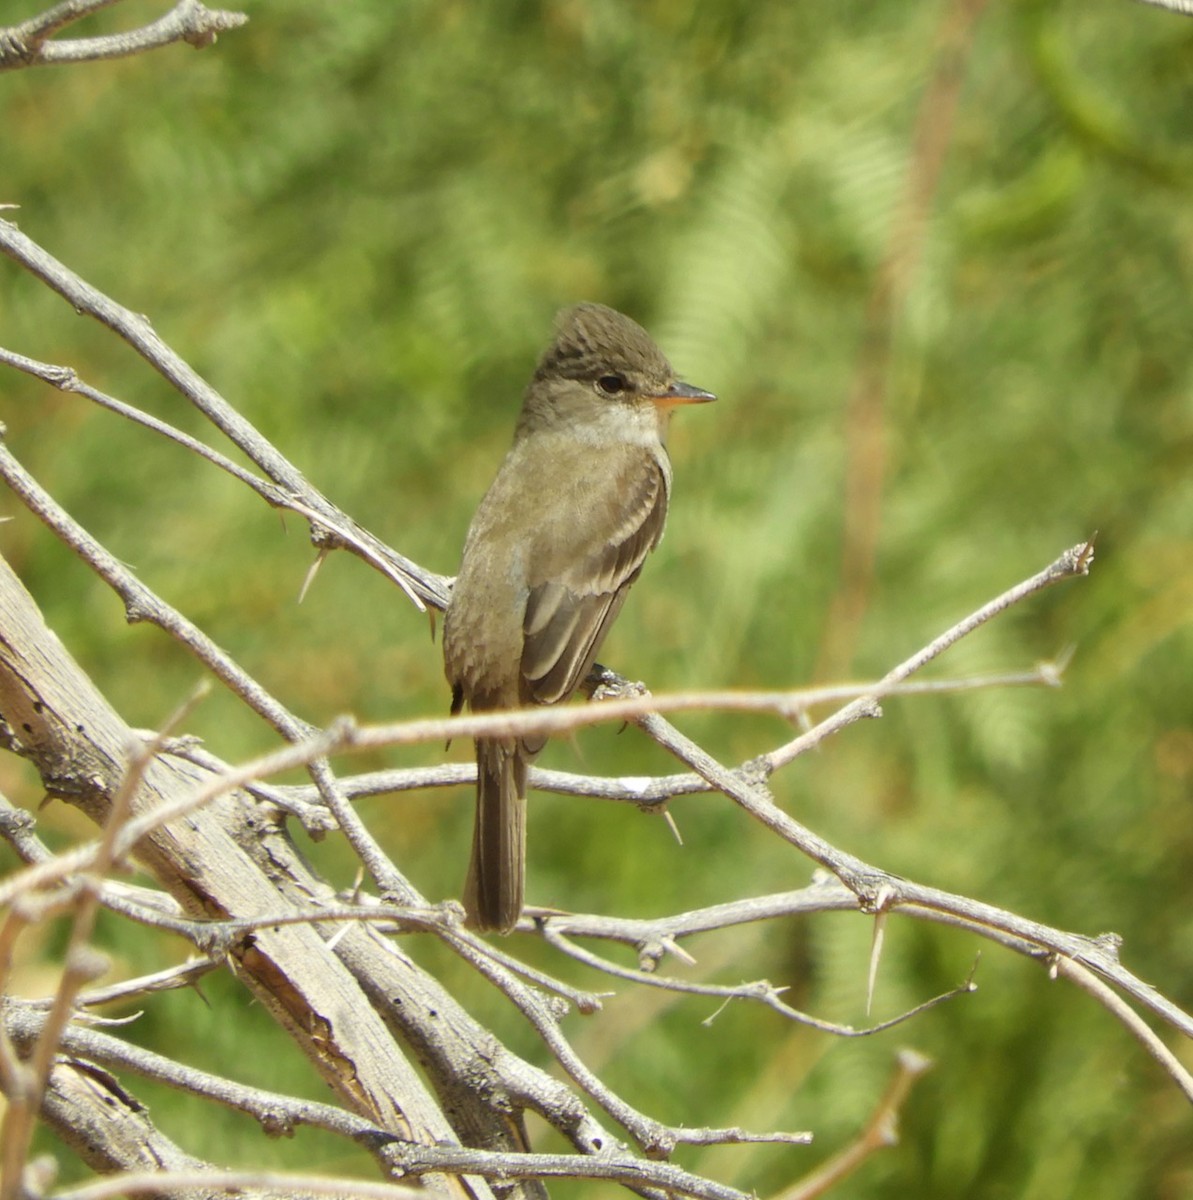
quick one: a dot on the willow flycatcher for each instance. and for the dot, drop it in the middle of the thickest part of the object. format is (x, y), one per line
(563, 531)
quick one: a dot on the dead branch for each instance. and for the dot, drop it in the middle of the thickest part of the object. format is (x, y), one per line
(32, 43)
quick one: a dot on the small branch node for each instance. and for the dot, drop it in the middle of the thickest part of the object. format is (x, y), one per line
(1110, 945)
(135, 612)
(276, 1123)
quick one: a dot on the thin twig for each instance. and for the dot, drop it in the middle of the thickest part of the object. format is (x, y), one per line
(760, 991)
(422, 587)
(182, 975)
(283, 1183)
(331, 522)
(142, 604)
(282, 1115)
(28, 44)
(1075, 561)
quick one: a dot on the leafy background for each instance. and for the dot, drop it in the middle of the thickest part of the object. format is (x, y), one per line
(357, 221)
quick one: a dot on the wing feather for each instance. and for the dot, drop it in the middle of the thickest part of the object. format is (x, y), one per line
(569, 612)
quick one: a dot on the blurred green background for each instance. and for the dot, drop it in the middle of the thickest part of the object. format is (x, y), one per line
(357, 221)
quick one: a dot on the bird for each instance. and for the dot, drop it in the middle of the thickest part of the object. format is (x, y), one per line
(563, 531)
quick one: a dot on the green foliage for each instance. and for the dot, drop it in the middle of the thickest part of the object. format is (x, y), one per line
(357, 219)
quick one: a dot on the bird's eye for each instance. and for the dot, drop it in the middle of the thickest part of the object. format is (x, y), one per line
(611, 385)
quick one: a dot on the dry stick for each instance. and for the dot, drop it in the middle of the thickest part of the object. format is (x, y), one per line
(277, 1114)
(1075, 561)
(28, 44)
(642, 791)
(144, 905)
(336, 737)
(656, 937)
(872, 886)
(627, 1173)
(442, 921)
(762, 990)
(655, 1136)
(216, 936)
(864, 879)
(78, 859)
(237, 1183)
(1028, 939)
(656, 1139)
(137, 331)
(142, 604)
(60, 15)
(150, 348)
(106, 1126)
(423, 587)
(869, 883)
(66, 379)
(219, 934)
(606, 714)
(344, 736)
(330, 521)
(82, 965)
(301, 802)
(281, 1115)
(232, 863)
(168, 979)
(15, 1077)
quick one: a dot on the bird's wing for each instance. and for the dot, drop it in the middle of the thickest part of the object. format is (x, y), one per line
(572, 603)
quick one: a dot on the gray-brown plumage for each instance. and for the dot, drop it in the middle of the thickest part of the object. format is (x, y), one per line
(563, 531)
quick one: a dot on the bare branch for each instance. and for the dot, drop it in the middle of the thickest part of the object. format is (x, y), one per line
(110, 1130)
(1075, 561)
(141, 604)
(760, 991)
(29, 44)
(66, 379)
(183, 975)
(278, 1115)
(208, 862)
(329, 525)
(284, 1185)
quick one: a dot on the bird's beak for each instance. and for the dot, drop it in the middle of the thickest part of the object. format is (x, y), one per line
(681, 393)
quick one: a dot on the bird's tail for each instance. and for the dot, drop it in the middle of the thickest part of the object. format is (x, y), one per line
(493, 892)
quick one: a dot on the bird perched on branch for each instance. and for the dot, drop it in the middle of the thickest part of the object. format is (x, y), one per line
(578, 504)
